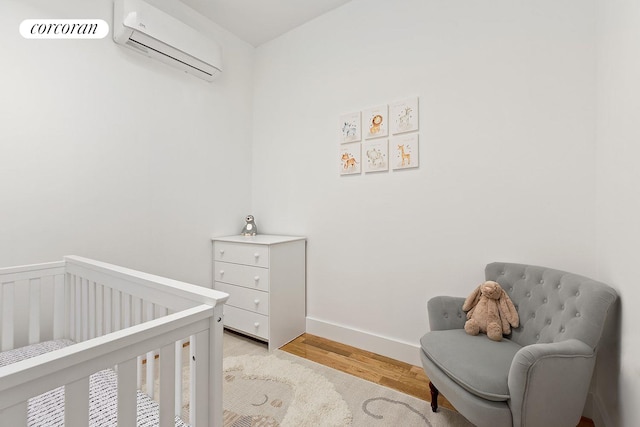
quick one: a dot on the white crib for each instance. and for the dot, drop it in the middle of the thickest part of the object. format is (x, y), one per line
(117, 317)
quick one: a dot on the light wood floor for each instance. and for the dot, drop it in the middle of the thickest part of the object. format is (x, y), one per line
(373, 367)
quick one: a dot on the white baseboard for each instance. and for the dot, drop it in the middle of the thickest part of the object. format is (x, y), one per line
(588, 406)
(389, 347)
(600, 416)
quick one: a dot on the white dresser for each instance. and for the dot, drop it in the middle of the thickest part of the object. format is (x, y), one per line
(265, 277)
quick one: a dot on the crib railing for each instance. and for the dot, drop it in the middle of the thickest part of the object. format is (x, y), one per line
(118, 317)
(29, 297)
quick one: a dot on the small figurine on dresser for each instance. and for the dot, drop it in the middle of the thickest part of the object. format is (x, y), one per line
(250, 228)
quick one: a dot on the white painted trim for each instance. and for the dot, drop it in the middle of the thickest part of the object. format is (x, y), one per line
(600, 416)
(587, 411)
(385, 346)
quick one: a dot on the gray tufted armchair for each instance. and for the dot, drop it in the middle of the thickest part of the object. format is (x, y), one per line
(540, 374)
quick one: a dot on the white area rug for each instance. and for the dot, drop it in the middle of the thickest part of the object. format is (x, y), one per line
(280, 392)
(263, 389)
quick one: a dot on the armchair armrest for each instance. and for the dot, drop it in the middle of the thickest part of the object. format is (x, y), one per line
(548, 383)
(446, 313)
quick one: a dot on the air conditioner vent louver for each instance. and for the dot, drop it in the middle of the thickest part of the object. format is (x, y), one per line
(145, 49)
(158, 35)
(134, 44)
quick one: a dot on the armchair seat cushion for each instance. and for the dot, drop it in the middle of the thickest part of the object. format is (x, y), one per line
(476, 363)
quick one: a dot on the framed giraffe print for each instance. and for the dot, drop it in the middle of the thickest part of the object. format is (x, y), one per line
(404, 152)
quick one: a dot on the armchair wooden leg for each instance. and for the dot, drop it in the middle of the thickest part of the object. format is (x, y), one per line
(434, 397)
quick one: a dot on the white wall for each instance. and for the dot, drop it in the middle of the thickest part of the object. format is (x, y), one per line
(108, 154)
(507, 112)
(618, 229)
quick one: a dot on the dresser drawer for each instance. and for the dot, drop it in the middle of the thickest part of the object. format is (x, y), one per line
(241, 253)
(246, 321)
(248, 299)
(242, 275)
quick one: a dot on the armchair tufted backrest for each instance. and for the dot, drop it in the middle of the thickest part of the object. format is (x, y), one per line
(553, 305)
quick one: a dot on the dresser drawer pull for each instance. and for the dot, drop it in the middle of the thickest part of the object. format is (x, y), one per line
(256, 278)
(221, 251)
(256, 301)
(221, 273)
(257, 324)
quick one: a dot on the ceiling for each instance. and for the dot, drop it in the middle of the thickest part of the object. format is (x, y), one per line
(258, 21)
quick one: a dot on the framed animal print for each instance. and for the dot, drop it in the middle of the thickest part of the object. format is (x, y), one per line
(403, 116)
(375, 122)
(350, 128)
(375, 156)
(405, 152)
(350, 161)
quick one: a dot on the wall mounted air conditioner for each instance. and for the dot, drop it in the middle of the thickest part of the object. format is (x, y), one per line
(156, 34)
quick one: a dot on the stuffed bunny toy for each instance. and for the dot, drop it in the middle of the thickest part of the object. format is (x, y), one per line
(491, 311)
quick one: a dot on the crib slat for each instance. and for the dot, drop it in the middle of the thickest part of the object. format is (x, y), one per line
(47, 293)
(167, 385)
(115, 303)
(92, 309)
(76, 403)
(21, 304)
(108, 328)
(70, 294)
(192, 380)
(178, 380)
(78, 308)
(215, 368)
(71, 307)
(151, 363)
(7, 291)
(137, 319)
(84, 306)
(150, 357)
(139, 372)
(199, 405)
(14, 416)
(34, 311)
(159, 311)
(126, 308)
(127, 405)
(150, 311)
(59, 312)
(99, 310)
(137, 311)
